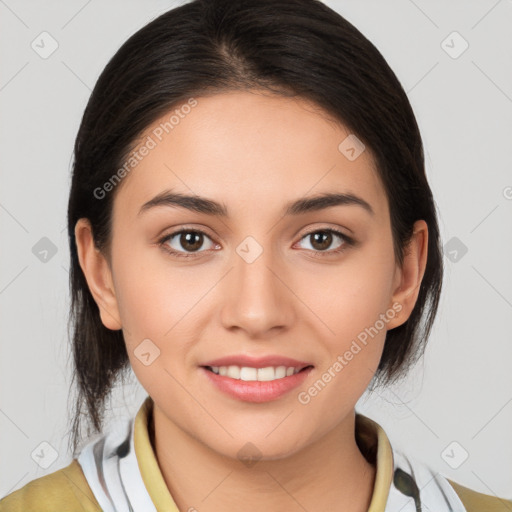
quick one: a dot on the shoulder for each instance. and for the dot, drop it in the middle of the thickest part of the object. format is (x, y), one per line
(415, 477)
(66, 489)
(475, 501)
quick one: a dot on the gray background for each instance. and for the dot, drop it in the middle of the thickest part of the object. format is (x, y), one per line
(457, 402)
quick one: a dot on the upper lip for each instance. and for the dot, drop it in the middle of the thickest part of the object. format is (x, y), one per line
(257, 362)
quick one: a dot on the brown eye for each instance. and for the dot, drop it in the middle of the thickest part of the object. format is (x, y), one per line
(191, 240)
(185, 241)
(321, 240)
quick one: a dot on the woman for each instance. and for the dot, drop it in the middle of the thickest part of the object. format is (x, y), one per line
(252, 232)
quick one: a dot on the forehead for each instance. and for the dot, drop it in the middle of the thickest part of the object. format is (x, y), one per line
(248, 149)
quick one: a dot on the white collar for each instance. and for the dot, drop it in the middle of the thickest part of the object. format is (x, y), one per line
(110, 466)
(112, 472)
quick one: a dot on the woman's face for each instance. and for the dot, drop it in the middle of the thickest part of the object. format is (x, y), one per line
(257, 272)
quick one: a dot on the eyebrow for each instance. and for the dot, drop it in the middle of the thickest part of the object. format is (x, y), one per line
(210, 207)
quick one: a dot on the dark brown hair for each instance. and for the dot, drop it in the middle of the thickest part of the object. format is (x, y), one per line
(288, 47)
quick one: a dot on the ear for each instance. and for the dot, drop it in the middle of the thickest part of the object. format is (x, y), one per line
(408, 278)
(98, 275)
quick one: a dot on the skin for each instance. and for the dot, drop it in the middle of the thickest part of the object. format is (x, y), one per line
(254, 152)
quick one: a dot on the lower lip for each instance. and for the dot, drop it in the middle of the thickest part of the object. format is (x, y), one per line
(257, 391)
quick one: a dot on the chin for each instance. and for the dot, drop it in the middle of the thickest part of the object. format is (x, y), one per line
(250, 450)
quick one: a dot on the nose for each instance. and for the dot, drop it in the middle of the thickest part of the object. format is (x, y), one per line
(258, 299)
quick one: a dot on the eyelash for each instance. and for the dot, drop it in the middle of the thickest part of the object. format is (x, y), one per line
(347, 242)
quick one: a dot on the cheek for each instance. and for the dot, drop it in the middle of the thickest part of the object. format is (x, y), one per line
(162, 303)
(152, 295)
(352, 350)
(352, 297)
(354, 305)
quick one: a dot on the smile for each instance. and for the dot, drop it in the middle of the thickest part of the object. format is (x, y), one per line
(256, 385)
(248, 373)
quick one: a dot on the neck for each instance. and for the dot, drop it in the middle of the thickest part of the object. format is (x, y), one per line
(329, 474)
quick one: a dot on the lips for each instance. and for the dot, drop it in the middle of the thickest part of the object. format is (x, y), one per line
(253, 379)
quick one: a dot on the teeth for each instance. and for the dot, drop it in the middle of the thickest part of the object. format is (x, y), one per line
(233, 372)
(266, 374)
(280, 372)
(248, 373)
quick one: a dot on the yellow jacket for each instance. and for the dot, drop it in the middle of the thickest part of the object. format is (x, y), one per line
(68, 490)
